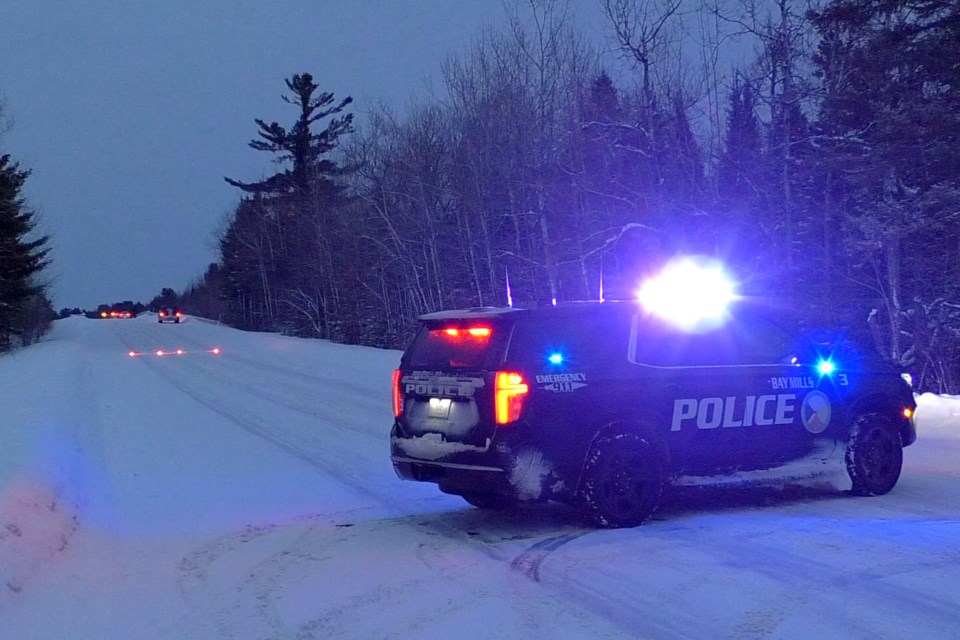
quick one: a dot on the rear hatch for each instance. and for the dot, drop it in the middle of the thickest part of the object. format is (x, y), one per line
(446, 379)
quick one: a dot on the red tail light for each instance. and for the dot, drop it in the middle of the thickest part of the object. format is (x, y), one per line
(472, 332)
(163, 313)
(397, 395)
(511, 390)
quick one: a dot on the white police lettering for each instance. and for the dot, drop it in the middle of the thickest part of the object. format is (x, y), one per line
(438, 385)
(792, 382)
(731, 411)
(561, 382)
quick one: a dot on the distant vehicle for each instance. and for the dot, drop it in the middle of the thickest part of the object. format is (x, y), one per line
(603, 404)
(169, 314)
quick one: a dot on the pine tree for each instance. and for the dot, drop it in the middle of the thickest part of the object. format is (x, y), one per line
(21, 258)
(293, 246)
(299, 145)
(890, 130)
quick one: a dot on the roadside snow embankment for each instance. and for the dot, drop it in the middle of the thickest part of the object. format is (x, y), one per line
(38, 499)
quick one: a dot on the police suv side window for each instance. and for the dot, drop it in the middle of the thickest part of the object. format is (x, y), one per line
(746, 340)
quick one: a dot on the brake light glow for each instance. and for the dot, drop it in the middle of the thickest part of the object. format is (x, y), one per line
(397, 395)
(511, 390)
(473, 332)
(163, 314)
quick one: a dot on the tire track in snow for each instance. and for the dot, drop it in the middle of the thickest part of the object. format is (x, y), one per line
(530, 561)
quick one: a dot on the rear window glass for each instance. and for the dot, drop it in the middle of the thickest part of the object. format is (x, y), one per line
(465, 347)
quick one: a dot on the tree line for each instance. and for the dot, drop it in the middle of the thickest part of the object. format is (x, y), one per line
(25, 310)
(824, 169)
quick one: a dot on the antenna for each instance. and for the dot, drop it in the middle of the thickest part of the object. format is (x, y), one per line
(601, 281)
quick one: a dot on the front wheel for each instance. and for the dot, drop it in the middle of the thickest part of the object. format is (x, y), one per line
(874, 454)
(622, 480)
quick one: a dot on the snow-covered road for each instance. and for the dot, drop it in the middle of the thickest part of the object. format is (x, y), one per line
(250, 495)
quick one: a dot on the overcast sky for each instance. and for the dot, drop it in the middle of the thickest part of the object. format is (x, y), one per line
(129, 114)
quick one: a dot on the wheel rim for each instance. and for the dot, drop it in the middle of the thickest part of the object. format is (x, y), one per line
(625, 484)
(879, 455)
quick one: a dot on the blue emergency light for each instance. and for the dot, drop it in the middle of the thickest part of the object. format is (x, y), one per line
(826, 367)
(555, 358)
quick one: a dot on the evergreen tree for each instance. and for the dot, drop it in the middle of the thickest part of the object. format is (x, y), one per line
(300, 146)
(21, 258)
(742, 191)
(293, 285)
(890, 129)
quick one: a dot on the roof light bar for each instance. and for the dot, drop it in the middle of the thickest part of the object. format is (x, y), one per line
(691, 293)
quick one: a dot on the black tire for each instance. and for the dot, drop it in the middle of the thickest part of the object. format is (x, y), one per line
(874, 454)
(490, 501)
(622, 481)
(177, 321)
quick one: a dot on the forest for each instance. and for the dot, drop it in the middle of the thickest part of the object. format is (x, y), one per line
(814, 147)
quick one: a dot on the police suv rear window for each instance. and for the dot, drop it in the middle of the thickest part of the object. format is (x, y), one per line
(452, 347)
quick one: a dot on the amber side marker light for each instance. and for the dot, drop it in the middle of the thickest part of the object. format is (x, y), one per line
(907, 412)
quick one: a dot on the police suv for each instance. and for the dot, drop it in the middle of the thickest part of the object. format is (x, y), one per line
(601, 404)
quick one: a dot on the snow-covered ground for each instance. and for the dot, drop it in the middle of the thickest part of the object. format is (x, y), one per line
(249, 495)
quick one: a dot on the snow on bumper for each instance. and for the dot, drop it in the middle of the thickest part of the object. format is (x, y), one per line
(458, 467)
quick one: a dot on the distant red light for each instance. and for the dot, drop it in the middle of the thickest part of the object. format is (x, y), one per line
(159, 352)
(215, 351)
(132, 354)
(163, 314)
(180, 352)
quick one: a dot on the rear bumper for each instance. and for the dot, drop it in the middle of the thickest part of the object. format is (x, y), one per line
(453, 477)
(504, 468)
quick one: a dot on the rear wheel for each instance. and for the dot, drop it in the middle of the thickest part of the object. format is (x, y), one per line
(492, 501)
(874, 454)
(622, 480)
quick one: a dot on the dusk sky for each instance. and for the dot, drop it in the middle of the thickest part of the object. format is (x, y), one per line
(130, 114)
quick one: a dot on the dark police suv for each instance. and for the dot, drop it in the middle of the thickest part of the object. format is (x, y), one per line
(601, 404)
